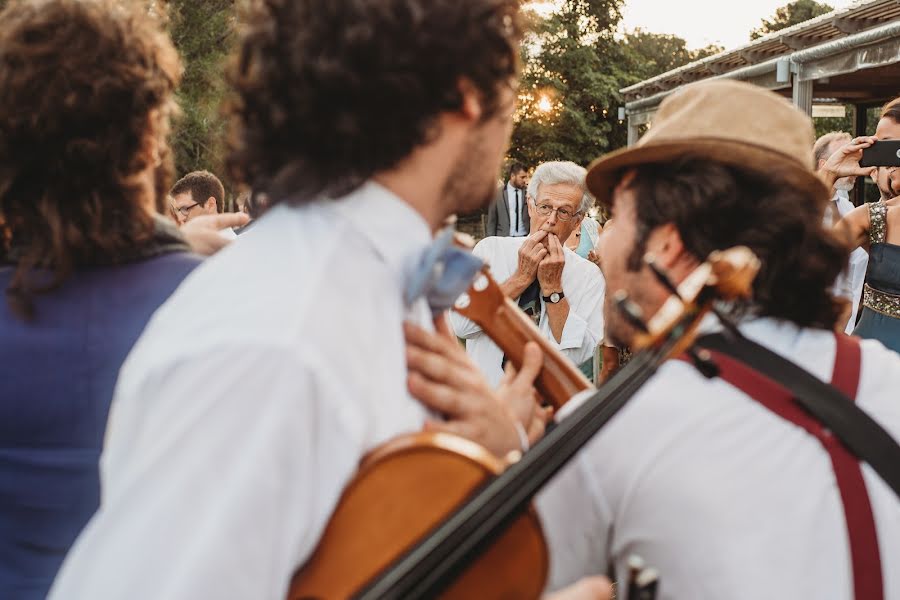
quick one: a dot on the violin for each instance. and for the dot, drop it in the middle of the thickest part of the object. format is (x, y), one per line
(432, 514)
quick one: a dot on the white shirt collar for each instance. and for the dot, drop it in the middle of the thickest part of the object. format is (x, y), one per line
(397, 232)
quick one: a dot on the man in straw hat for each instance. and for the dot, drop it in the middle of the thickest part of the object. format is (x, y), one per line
(726, 498)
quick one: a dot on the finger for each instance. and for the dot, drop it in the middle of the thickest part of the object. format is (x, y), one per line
(538, 425)
(589, 588)
(441, 369)
(428, 364)
(437, 397)
(442, 327)
(432, 342)
(538, 236)
(557, 247)
(459, 428)
(532, 360)
(855, 147)
(218, 221)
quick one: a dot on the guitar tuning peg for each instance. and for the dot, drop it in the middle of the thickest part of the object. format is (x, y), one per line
(661, 275)
(632, 312)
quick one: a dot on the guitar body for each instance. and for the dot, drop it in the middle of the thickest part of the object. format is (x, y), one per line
(403, 489)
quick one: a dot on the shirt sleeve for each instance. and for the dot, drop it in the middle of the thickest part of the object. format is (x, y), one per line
(214, 482)
(583, 330)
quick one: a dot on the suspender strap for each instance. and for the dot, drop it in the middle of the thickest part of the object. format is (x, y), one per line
(863, 539)
(867, 577)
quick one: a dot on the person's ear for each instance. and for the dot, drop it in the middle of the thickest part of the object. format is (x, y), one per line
(667, 248)
(471, 100)
(210, 207)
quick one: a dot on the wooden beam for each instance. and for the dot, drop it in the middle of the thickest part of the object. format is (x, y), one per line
(751, 56)
(850, 26)
(796, 43)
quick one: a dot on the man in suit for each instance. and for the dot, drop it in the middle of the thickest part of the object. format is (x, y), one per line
(508, 214)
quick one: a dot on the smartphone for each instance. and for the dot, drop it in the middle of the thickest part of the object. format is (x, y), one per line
(883, 153)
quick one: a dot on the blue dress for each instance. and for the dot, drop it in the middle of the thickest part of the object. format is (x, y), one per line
(880, 318)
(58, 373)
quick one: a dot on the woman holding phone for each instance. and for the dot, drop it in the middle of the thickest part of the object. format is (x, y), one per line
(876, 227)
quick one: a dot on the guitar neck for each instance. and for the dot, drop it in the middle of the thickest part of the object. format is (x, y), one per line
(510, 328)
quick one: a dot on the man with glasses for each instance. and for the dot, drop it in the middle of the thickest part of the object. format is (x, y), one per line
(561, 291)
(199, 193)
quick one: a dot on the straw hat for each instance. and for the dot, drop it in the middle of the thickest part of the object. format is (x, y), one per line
(722, 121)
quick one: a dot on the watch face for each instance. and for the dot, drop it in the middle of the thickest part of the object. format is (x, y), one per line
(554, 297)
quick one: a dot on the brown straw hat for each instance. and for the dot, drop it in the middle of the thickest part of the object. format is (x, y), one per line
(727, 122)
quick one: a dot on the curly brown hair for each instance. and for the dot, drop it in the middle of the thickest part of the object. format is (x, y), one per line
(715, 207)
(331, 92)
(85, 85)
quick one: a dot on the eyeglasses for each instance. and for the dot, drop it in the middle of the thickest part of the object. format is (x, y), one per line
(563, 214)
(186, 210)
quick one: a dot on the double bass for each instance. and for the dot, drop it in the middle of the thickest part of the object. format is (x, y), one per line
(436, 515)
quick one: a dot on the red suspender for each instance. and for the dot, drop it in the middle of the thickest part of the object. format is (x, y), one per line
(864, 554)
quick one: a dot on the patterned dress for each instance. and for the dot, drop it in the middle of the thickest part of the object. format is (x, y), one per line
(880, 318)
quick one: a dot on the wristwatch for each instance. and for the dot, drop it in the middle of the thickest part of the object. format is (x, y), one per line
(553, 298)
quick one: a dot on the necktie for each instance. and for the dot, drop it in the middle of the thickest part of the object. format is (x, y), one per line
(517, 212)
(441, 273)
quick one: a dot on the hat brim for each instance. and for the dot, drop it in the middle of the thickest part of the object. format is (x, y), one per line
(603, 174)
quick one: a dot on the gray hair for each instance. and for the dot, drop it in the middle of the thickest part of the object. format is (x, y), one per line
(561, 172)
(822, 147)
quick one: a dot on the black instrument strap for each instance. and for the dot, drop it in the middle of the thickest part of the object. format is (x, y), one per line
(865, 438)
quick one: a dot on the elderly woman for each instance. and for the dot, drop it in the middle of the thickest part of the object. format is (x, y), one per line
(84, 258)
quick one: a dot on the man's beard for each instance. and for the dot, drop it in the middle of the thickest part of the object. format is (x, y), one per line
(468, 188)
(844, 184)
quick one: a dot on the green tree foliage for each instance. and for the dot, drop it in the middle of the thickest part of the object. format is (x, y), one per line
(569, 91)
(651, 54)
(203, 33)
(574, 68)
(789, 15)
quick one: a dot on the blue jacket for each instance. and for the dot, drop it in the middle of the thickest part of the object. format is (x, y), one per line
(57, 375)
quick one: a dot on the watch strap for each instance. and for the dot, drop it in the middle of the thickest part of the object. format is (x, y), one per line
(560, 296)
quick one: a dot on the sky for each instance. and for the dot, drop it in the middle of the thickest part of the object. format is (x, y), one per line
(701, 22)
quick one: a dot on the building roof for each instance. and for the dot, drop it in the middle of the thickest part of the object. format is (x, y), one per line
(862, 23)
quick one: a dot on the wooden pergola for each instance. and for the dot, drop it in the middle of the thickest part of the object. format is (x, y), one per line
(849, 56)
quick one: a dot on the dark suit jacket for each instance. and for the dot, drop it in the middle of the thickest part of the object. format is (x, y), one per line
(498, 214)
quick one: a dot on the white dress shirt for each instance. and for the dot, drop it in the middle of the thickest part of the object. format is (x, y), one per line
(724, 498)
(247, 403)
(850, 282)
(583, 285)
(514, 214)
